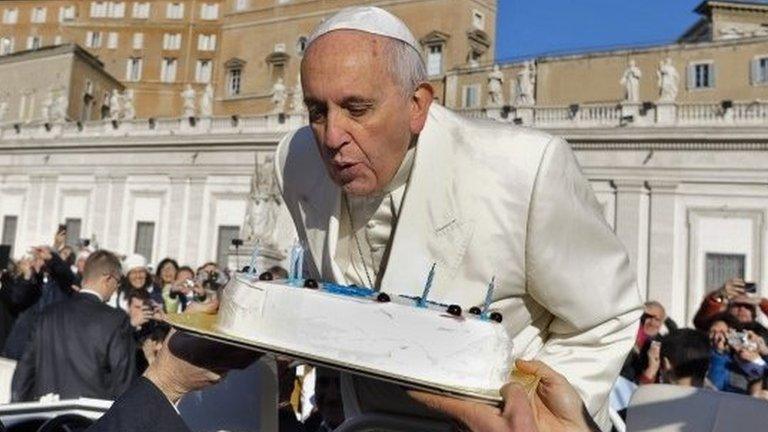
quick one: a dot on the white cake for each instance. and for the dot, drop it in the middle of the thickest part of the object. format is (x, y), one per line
(395, 339)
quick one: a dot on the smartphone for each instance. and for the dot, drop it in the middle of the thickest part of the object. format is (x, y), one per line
(750, 287)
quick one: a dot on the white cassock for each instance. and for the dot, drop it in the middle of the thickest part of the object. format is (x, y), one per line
(481, 199)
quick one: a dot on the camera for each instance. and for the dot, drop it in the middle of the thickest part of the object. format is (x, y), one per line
(739, 340)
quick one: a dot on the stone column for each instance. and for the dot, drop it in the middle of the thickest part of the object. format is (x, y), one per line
(33, 212)
(662, 237)
(632, 223)
(194, 219)
(47, 226)
(100, 208)
(176, 215)
(114, 219)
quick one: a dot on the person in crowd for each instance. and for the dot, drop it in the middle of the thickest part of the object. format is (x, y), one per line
(19, 290)
(141, 309)
(684, 358)
(174, 294)
(67, 254)
(286, 416)
(737, 355)
(733, 298)
(330, 409)
(185, 274)
(150, 339)
(55, 283)
(636, 366)
(80, 347)
(137, 277)
(82, 257)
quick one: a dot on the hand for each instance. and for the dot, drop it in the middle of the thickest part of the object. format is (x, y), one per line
(43, 253)
(654, 361)
(733, 288)
(208, 307)
(748, 353)
(759, 342)
(555, 406)
(59, 239)
(187, 363)
(719, 342)
(141, 317)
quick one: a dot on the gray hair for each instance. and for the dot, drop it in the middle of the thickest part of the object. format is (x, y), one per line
(406, 67)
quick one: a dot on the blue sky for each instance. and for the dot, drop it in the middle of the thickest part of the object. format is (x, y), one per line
(532, 27)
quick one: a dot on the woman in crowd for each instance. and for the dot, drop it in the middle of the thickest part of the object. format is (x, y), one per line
(137, 277)
(173, 293)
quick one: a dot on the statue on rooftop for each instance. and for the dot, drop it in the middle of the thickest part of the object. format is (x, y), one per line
(495, 88)
(524, 86)
(188, 101)
(115, 110)
(279, 96)
(668, 80)
(129, 107)
(631, 82)
(297, 99)
(206, 101)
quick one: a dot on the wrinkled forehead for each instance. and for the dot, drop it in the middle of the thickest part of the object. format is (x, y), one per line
(346, 43)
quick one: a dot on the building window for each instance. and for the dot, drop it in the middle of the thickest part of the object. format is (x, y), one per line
(701, 75)
(241, 5)
(73, 226)
(10, 16)
(301, 45)
(145, 237)
(38, 15)
(34, 42)
(116, 9)
(470, 96)
(6, 45)
(721, 267)
(112, 40)
(206, 42)
(174, 11)
(168, 70)
(172, 41)
(9, 230)
(141, 10)
(209, 11)
(234, 76)
(98, 9)
(478, 19)
(434, 60)
(203, 71)
(66, 13)
(133, 69)
(138, 41)
(758, 70)
(227, 233)
(93, 39)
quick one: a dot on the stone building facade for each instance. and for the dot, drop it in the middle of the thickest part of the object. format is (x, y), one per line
(241, 47)
(54, 84)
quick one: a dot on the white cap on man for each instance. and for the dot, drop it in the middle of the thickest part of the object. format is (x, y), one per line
(367, 19)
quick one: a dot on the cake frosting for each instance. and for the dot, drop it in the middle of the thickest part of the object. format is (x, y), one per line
(389, 335)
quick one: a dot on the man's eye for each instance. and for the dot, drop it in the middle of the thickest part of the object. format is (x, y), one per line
(316, 115)
(357, 112)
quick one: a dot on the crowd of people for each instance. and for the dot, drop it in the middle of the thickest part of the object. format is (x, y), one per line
(726, 350)
(67, 344)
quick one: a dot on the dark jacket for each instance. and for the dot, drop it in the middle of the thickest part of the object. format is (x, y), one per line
(80, 347)
(16, 295)
(143, 408)
(53, 287)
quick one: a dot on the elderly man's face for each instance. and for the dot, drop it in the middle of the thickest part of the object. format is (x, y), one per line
(362, 120)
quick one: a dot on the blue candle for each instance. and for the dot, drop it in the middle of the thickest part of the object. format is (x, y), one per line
(297, 263)
(423, 300)
(488, 298)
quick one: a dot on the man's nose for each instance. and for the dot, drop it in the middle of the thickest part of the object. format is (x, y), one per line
(336, 134)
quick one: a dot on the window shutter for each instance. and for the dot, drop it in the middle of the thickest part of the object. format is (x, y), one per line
(712, 70)
(128, 69)
(88, 39)
(691, 82)
(212, 43)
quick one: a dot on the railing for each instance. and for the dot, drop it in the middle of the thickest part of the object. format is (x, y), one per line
(267, 124)
(586, 116)
(604, 115)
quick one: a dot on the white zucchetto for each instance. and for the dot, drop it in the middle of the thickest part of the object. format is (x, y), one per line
(367, 19)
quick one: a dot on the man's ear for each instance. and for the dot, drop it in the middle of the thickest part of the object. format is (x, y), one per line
(420, 103)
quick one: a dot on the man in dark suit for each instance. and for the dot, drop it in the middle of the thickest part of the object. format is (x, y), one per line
(80, 347)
